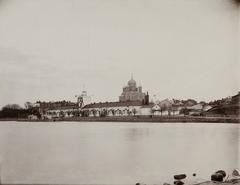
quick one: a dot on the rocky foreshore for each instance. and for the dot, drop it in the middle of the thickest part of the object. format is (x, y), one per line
(219, 177)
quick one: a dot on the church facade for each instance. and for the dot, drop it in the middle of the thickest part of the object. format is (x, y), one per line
(131, 92)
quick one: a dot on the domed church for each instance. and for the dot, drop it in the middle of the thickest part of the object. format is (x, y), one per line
(131, 92)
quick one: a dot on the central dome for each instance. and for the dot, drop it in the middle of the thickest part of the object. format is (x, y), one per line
(131, 82)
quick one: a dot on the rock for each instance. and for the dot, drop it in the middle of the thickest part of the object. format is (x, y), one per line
(236, 173)
(180, 176)
(217, 177)
(178, 182)
(165, 183)
(221, 172)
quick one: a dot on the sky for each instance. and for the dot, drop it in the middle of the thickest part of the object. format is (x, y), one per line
(53, 49)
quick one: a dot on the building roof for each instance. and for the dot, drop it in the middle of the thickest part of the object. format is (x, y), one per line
(207, 107)
(196, 107)
(237, 95)
(63, 108)
(58, 105)
(156, 107)
(113, 104)
(236, 99)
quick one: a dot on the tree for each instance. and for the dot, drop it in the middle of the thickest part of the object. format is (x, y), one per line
(184, 111)
(94, 112)
(203, 103)
(103, 113)
(13, 111)
(129, 112)
(163, 108)
(134, 111)
(69, 113)
(85, 113)
(12, 106)
(189, 102)
(113, 112)
(62, 115)
(174, 109)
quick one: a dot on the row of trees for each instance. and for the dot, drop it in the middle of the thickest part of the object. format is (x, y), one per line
(16, 111)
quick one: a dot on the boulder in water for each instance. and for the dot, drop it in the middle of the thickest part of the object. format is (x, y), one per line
(221, 172)
(180, 176)
(178, 182)
(217, 177)
(236, 173)
(165, 183)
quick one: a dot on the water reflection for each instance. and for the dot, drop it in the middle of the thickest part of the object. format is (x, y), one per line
(134, 134)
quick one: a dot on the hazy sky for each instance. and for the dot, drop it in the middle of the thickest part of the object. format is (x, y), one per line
(176, 49)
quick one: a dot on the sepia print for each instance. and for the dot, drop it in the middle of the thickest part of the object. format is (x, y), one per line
(120, 92)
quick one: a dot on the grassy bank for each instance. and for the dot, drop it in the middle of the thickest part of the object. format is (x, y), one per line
(156, 119)
(160, 119)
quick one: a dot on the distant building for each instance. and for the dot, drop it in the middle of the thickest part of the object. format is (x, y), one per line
(131, 92)
(83, 99)
(221, 108)
(236, 99)
(166, 107)
(56, 109)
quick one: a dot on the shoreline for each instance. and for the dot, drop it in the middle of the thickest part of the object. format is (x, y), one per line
(205, 182)
(154, 119)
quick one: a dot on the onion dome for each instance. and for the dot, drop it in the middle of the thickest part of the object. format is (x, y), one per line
(132, 82)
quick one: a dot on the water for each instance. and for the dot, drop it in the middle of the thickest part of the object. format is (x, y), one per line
(114, 153)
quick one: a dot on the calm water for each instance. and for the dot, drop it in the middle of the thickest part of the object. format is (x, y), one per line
(114, 153)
